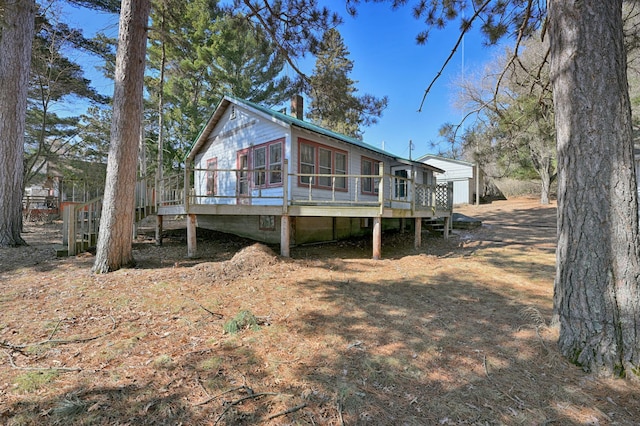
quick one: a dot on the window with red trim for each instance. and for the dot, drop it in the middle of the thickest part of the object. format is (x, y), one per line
(370, 184)
(212, 176)
(320, 159)
(267, 164)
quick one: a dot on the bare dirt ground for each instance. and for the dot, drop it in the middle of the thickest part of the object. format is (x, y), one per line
(454, 333)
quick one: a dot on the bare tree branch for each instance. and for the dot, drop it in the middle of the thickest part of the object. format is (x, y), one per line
(465, 29)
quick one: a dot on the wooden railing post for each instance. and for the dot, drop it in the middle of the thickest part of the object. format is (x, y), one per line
(434, 196)
(412, 192)
(186, 186)
(285, 187)
(333, 188)
(381, 187)
(356, 185)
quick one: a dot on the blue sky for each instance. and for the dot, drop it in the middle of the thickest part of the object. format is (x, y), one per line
(387, 61)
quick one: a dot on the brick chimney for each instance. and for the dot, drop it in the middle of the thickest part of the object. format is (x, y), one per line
(297, 107)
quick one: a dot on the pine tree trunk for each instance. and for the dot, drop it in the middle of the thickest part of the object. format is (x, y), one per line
(545, 185)
(16, 38)
(597, 302)
(114, 249)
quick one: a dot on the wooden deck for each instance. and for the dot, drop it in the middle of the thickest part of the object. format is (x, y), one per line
(414, 201)
(170, 198)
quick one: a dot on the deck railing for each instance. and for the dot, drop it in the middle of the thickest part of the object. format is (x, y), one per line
(145, 198)
(257, 186)
(335, 189)
(171, 190)
(80, 227)
(81, 221)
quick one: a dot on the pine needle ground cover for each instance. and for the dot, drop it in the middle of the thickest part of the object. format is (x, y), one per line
(457, 332)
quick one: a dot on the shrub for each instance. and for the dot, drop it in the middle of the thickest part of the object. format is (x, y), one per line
(242, 321)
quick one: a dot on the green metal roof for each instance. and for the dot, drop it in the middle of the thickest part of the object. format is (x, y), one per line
(293, 121)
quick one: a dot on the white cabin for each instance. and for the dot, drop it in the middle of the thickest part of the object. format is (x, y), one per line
(272, 177)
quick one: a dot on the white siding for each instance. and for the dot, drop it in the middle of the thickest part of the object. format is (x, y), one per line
(461, 174)
(453, 170)
(248, 128)
(461, 192)
(227, 138)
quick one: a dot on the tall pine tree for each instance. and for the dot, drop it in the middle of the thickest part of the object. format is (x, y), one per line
(335, 104)
(247, 64)
(16, 39)
(114, 247)
(597, 284)
(198, 53)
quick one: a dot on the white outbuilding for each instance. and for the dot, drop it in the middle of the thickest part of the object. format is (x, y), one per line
(460, 173)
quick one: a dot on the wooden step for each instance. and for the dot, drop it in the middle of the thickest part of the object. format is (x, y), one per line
(61, 251)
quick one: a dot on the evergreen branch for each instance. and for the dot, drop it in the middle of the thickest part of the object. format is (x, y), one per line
(112, 6)
(282, 45)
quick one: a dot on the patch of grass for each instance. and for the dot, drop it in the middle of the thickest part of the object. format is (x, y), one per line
(212, 363)
(23, 419)
(379, 372)
(350, 397)
(120, 302)
(160, 285)
(229, 344)
(242, 321)
(216, 383)
(51, 326)
(71, 405)
(118, 348)
(413, 372)
(34, 380)
(164, 362)
(248, 355)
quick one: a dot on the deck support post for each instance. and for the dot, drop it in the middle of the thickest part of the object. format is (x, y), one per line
(447, 221)
(418, 233)
(72, 218)
(192, 248)
(159, 230)
(285, 235)
(377, 237)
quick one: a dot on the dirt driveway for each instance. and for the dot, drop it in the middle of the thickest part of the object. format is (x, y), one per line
(521, 221)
